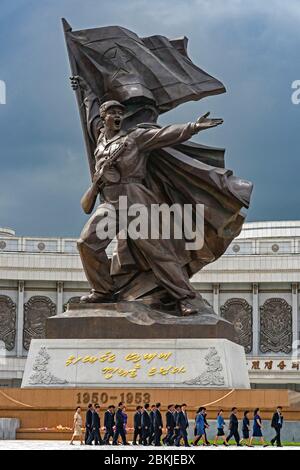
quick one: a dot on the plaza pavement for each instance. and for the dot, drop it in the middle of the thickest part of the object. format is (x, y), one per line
(64, 445)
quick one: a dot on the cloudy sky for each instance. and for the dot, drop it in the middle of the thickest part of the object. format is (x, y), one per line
(251, 45)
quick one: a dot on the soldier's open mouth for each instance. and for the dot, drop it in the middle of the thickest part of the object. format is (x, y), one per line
(117, 122)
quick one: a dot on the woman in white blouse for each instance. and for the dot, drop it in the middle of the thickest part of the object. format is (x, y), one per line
(77, 426)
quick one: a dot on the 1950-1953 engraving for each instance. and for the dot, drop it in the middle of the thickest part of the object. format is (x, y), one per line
(129, 398)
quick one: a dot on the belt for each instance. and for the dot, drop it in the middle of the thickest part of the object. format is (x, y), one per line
(126, 181)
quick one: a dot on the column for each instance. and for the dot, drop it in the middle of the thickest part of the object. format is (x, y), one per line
(216, 298)
(295, 313)
(59, 297)
(20, 321)
(255, 312)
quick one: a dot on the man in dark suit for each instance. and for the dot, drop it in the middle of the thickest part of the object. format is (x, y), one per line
(109, 422)
(88, 422)
(277, 423)
(120, 431)
(158, 425)
(182, 424)
(170, 425)
(176, 429)
(137, 424)
(95, 434)
(234, 427)
(152, 416)
(146, 425)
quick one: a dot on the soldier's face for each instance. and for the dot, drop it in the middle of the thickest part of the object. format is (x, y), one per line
(114, 118)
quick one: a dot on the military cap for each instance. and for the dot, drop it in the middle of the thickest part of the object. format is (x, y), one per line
(109, 104)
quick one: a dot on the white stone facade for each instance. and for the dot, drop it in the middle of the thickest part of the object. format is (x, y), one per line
(256, 281)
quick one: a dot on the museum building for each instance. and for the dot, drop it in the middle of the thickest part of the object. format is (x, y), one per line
(255, 285)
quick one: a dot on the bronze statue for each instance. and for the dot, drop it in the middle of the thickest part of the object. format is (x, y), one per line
(122, 84)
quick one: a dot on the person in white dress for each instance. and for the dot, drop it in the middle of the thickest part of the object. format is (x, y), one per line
(77, 426)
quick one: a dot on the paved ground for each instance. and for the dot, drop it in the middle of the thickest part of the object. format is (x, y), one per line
(63, 445)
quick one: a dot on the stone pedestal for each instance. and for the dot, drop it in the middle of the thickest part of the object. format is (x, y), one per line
(136, 363)
(132, 345)
(134, 320)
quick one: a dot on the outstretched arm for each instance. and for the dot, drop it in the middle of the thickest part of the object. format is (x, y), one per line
(151, 139)
(203, 122)
(91, 104)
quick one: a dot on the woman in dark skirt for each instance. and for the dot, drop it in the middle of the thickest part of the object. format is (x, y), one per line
(220, 429)
(200, 427)
(257, 429)
(246, 428)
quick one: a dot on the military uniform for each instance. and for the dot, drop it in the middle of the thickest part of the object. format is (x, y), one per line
(125, 177)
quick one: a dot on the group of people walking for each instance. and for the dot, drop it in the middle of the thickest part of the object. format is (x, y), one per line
(115, 422)
(233, 428)
(148, 426)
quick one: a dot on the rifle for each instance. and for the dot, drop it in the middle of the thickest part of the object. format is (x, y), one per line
(89, 198)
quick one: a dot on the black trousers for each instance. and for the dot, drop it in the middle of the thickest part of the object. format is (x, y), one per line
(137, 434)
(88, 431)
(175, 435)
(108, 434)
(182, 435)
(151, 435)
(169, 438)
(145, 436)
(119, 432)
(235, 433)
(95, 436)
(157, 436)
(277, 438)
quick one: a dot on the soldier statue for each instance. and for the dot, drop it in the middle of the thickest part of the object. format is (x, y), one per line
(123, 83)
(124, 176)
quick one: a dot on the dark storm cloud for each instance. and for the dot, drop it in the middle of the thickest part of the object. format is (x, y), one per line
(251, 47)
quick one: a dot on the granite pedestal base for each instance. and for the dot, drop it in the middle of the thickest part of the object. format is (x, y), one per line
(130, 344)
(136, 363)
(134, 320)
